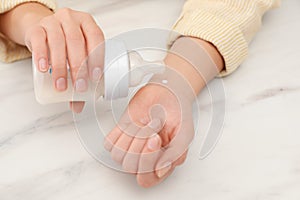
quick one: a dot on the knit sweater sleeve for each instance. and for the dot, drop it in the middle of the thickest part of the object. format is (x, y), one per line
(10, 51)
(230, 25)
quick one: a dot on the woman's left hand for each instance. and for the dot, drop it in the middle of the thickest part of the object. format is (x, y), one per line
(154, 134)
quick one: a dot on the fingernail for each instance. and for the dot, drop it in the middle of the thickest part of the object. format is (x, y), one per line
(61, 84)
(43, 64)
(155, 124)
(153, 143)
(76, 107)
(80, 85)
(164, 170)
(96, 74)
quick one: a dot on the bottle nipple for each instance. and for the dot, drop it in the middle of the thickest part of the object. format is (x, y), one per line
(140, 68)
(128, 70)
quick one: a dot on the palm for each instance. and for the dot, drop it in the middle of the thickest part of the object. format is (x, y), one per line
(163, 105)
(128, 141)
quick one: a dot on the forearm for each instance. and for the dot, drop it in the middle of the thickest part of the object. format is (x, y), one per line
(230, 25)
(15, 22)
(196, 60)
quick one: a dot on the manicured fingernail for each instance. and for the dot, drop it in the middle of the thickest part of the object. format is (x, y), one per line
(96, 74)
(164, 169)
(76, 107)
(61, 84)
(155, 124)
(43, 64)
(153, 143)
(80, 85)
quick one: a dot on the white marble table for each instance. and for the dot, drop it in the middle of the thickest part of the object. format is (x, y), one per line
(258, 156)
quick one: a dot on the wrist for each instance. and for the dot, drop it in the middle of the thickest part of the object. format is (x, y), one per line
(35, 13)
(16, 22)
(196, 60)
(175, 83)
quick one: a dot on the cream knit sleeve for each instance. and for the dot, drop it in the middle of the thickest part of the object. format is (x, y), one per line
(10, 51)
(228, 24)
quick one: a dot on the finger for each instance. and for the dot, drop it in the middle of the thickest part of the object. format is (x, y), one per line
(112, 138)
(76, 52)
(57, 46)
(122, 144)
(77, 106)
(95, 45)
(150, 154)
(114, 135)
(176, 149)
(150, 179)
(132, 157)
(169, 166)
(96, 63)
(146, 176)
(36, 41)
(181, 159)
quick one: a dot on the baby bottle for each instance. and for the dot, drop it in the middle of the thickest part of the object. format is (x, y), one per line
(122, 69)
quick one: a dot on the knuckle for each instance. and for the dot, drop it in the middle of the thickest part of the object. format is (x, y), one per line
(35, 36)
(57, 72)
(87, 16)
(64, 12)
(77, 70)
(59, 67)
(75, 73)
(94, 30)
(37, 31)
(39, 52)
(47, 21)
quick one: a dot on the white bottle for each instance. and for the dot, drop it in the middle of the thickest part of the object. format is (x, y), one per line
(122, 69)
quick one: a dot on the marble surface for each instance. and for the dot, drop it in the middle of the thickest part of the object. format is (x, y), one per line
(258, 156)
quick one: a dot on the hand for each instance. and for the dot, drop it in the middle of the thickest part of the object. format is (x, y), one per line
(66, 34)
(153, 135)
(54, 38)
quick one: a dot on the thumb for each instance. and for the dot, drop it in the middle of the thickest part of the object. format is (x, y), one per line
(146, 175)
(150, 154)
(175, 151)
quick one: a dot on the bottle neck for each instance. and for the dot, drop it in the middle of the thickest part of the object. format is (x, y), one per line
(140, 68)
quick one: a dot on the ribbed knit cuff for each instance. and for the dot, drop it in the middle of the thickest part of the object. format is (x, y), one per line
(10, 51)
(7, 5)
(226, 36)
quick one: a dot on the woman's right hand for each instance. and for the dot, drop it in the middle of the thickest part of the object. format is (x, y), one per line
(67, 37)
